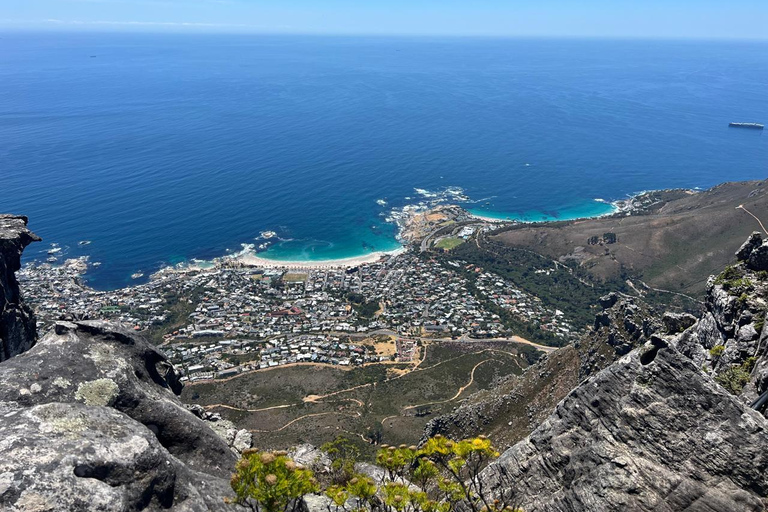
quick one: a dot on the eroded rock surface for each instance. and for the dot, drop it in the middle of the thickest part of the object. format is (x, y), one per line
(17, 322)
(91, 422)
(649, 433)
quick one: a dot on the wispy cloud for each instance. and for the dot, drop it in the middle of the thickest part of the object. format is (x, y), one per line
(148, 23)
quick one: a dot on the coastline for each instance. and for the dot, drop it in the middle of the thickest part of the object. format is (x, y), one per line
(615, 207)
(253, 260)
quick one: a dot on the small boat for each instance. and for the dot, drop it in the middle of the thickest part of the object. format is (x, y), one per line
(754, 126)
(84, 242)
(137, 275)
(54, 250)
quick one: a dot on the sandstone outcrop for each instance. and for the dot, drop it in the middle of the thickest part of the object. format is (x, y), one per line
(17, 322)
(649, 433)
(92, 422)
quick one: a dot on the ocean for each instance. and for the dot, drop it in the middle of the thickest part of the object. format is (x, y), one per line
(163, 148)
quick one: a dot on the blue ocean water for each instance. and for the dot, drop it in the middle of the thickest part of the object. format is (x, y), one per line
(161, 148)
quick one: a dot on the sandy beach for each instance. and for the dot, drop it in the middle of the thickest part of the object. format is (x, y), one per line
(490, 219)
(253, 260)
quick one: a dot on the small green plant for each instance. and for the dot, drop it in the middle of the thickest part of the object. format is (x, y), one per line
(728, 274)
(271, 482)
(441, 476)
(717, 351)
(343, 454)
(760, 324)
(733, 281)
(736, 377)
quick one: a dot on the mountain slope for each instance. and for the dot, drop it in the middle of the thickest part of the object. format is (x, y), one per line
(676, 244)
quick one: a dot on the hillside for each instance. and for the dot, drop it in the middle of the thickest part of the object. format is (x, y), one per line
(675, 244)
(382, 402)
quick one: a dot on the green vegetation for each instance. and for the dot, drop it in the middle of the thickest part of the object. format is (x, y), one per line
(733, 281)
(294, 278)
(384, 402)
(717, 351)
(343, 454)
(759, 324)
(449, 243)
(271, 480)
(366, 309)
(736, 377)
(565, 288)
(444, 474)
(238, 359)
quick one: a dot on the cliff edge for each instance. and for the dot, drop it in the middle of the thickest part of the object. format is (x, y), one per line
(17, 321)
(90, 418)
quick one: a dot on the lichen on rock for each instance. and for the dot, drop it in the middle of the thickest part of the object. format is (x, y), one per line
(97, 392)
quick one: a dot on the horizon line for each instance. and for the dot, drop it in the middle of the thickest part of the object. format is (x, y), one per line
(197, 28)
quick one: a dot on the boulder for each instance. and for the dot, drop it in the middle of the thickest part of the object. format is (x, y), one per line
(677, 322)
(92, 422)
(754, 241)
(758, 258)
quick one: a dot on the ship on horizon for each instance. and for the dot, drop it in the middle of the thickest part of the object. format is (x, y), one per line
(755, 126)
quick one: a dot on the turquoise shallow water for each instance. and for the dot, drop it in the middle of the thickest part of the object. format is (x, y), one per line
(161, 149)
(579, 211)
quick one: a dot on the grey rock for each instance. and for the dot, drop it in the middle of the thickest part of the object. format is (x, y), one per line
(94, 373)
(607, 301)
(311, 457)
(754, 241)
(758, 258)
(243, 440)
(649, 433)
(746, 333)
(17, 321)
(677, 322)
(75, 457)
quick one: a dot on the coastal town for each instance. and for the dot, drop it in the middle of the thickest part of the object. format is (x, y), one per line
(234, 317)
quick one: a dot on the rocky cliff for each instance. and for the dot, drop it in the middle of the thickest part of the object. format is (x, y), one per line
(17, 322)
(90, 418)
(519, 403)
(91, 422)
(669, 426)
(649, 433)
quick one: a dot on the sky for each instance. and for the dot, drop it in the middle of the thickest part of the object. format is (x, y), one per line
(708, 19)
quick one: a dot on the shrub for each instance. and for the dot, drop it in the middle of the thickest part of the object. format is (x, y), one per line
(736, 377)
(444, 474)
(271, 480)
(343, 454)
(717, 350)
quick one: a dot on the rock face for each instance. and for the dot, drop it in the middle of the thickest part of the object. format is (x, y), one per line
(17, 322)
(91, 422)
(730, 340)
(517, 404)
(649, 433)
(667, 427)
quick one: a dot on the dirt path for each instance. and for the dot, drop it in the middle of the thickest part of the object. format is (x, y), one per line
(304, 417)
(741, 207)
(458, 393)
(232, 408)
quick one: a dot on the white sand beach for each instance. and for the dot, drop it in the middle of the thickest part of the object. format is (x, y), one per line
(253, 260)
